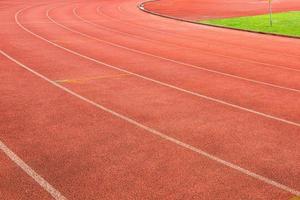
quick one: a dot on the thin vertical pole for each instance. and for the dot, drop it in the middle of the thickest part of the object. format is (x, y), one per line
(270, 12)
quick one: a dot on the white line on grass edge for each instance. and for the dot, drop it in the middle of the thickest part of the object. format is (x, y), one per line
(152, 131)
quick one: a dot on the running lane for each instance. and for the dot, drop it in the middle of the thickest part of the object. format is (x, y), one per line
(87, 153)
(208, 9)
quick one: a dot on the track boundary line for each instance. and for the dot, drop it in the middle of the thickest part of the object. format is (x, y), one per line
(168, 59)
(157, 133)
(155, 81)
(28, 170)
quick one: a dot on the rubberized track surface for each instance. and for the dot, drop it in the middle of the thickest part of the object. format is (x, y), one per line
(207, 9)
(102, 101)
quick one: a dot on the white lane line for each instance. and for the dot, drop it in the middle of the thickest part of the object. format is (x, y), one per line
(157, 133)
(156, 81)
(28, 170)
(178, 35)
(166, 59)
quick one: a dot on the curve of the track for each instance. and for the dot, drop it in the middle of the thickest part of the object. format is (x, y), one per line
(154, 84)
(172, 71)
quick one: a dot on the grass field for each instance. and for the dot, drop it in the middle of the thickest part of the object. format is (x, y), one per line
(287, 23)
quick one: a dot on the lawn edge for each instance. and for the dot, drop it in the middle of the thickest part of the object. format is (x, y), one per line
(141, 6)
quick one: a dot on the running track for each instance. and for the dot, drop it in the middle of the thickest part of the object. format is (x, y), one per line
(102, 101)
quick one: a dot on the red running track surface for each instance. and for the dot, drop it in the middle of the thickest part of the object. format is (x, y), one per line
(102, 101)
(208, 9)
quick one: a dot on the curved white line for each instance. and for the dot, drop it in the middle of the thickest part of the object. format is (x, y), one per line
(153, 80)
(28, 170)
(157, 133)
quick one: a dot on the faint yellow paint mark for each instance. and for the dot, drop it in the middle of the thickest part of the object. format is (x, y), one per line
(83, 80)
(295, 198)
(63, 41)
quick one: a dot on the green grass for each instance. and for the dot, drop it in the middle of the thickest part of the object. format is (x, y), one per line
(287, 23)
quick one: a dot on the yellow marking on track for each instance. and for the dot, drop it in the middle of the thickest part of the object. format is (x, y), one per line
(63, 41)
(295, 198)
(82, 80)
